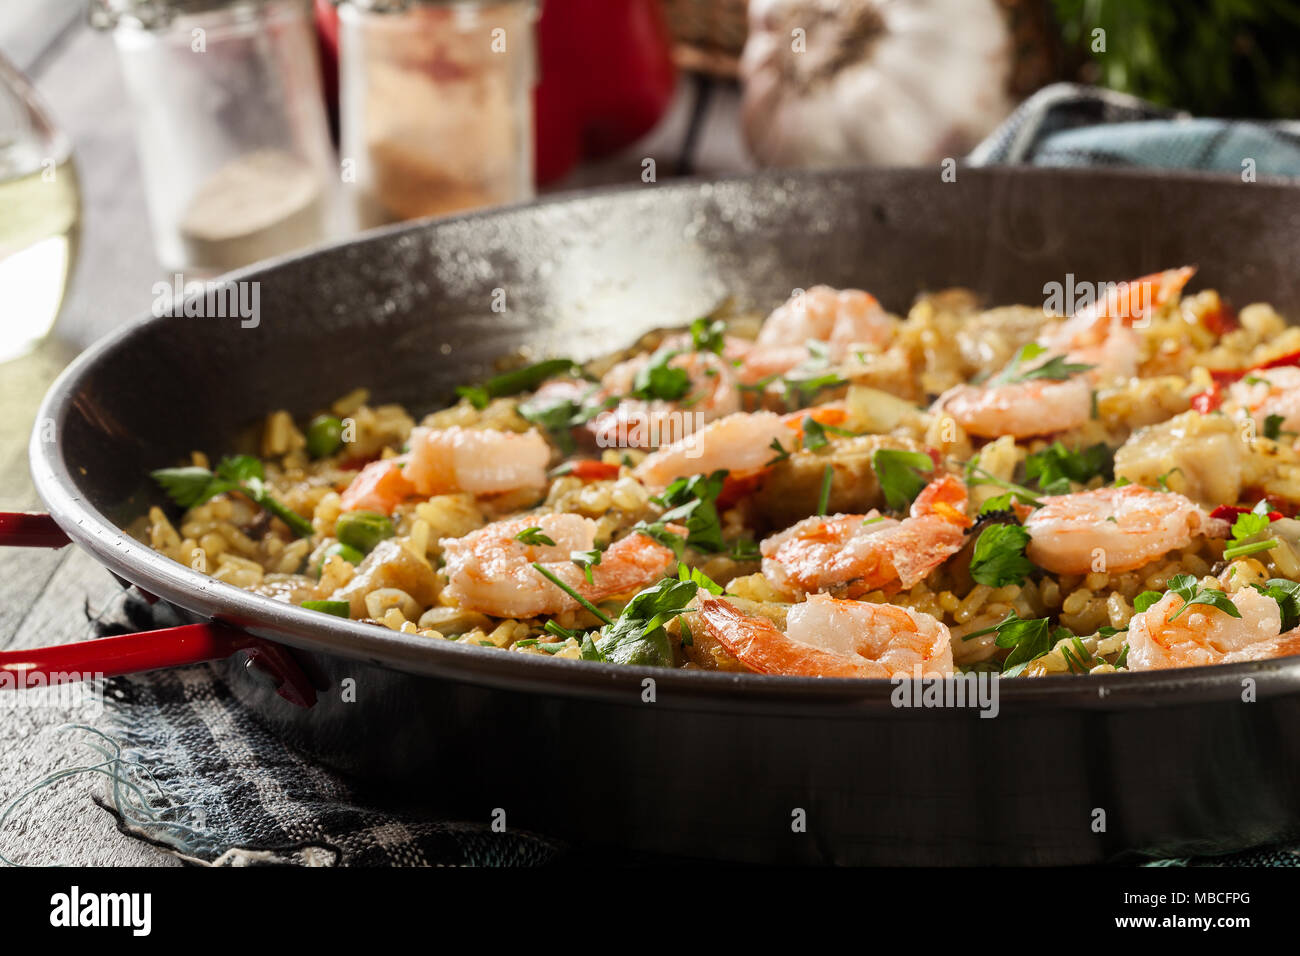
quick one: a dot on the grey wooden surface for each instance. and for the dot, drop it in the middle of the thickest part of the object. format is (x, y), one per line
(48, 597)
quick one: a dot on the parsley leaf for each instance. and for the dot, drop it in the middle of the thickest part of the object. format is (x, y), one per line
(1287, 595)
(638, 636)
(1055, 467)
(557, 416)
(587, 560)
(1189, 589)
(659, 380)
(535, 536)
(999, 557)
(781, 453)
(1249, 525)
(708, 336)
(745, 549)
(192, 486)
(658, 531)
(814, 433)
(1055, 369)
(188, 486)
(1028, 638)
(691, 502)
(901, 475)
(1273, 426)
(1144, 600)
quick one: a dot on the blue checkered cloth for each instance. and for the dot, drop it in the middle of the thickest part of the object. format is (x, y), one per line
(1071, 125)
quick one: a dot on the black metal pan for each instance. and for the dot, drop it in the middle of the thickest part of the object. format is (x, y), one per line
(708, 764)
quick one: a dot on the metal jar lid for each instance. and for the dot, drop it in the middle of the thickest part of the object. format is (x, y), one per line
(156, 14)
(400, 6)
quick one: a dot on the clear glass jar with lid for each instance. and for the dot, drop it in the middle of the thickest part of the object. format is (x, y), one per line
(231, 126)
(436, 107)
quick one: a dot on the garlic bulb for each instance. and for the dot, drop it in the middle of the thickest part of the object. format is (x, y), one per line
(889, 82)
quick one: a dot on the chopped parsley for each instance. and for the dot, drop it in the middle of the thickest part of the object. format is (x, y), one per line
(638, 636)
(781, 453)
(192, 486)
(1055, 467)
(587, 560)
(1055, 369)
(1144, 600)
(999, 557)
(535, 536)
(1028, 638)
(814, 433)
(1250, 525)
(1273, 427)
(1002, 502)
(824, 497)
(901, 474)
(802, 383)
(691, 501)
(657, 379)
(550, 576)
(708, 336)
(1187, 587)
(558, 416)
(1287, 595)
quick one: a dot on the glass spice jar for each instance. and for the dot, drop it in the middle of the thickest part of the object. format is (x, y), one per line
(436, 107)
(231, 126)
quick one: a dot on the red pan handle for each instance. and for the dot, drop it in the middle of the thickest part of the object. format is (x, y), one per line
(135, 653)
(20, 529)
(156, 650)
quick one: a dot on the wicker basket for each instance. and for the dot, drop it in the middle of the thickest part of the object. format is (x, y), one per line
(709, 34)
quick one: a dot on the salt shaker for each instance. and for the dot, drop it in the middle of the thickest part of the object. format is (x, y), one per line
(435, 101)
(231, 126)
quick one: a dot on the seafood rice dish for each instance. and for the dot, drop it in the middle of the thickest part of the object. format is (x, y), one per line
(830, 490)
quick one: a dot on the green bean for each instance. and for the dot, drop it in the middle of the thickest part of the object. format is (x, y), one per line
(363, 529)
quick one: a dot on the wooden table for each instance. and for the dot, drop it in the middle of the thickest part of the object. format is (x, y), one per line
(48, 597)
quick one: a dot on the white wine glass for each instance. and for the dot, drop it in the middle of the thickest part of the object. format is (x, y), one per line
(40, 210)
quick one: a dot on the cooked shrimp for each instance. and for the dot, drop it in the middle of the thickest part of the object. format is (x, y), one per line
(1101, 334)
(1019, 409)
(860, 553)
(490, 570)
(1123, 527)
(739, 443)
(1206, 635)
(477, 460)
(640, 423)
(839, 318)
(1268, 392)
(1125, 303)
(380, 486)
(828, 637)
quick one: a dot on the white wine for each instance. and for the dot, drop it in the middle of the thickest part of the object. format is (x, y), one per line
(39, 216)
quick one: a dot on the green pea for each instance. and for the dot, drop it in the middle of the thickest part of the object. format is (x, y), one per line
(362, 529)
(337, 608)
(324, 436)
(345, 551)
